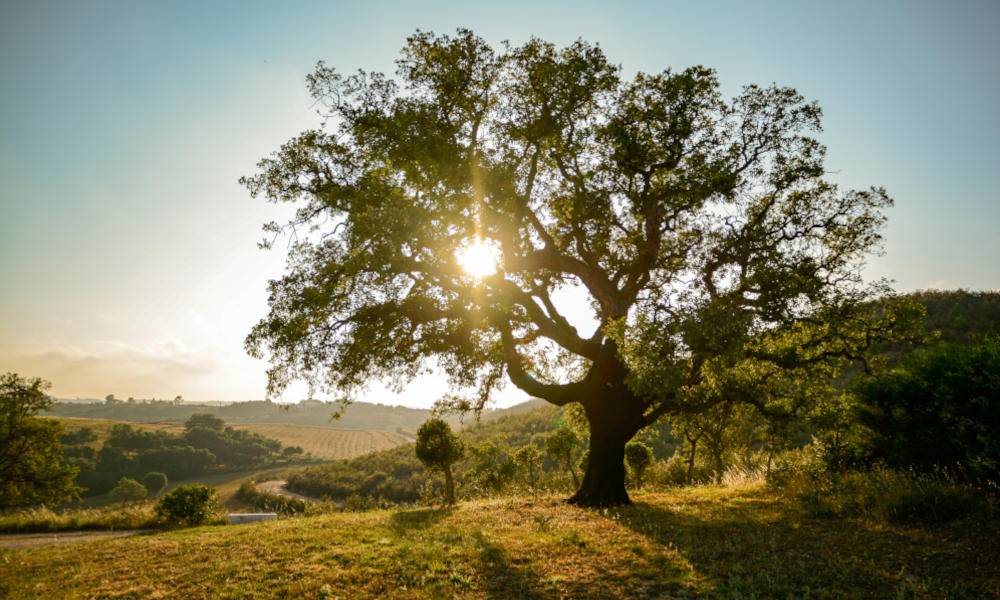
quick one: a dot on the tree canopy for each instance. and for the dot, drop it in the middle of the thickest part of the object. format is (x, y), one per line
(445, 216)
(938, 408)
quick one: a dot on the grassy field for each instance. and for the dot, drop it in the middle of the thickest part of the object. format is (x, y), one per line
(325, 443)
(701, 542)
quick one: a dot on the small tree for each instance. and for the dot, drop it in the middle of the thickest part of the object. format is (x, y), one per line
(438, 448)
(128, 490)
(206, 420)
(290, 451)
(155, 482)
(560, 446)
(32, 467)
(529, 459)
(638, 457)
(187, 504)
(493, 469)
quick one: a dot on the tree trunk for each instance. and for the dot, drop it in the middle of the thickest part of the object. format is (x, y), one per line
(604, 482)
(614, 414)
(694, 446)
(449, 486)
(572, 471)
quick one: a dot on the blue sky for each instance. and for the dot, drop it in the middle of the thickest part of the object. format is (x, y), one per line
(128, 259)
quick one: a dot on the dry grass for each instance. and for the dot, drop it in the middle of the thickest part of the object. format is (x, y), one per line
(703, 542)
(326, 442)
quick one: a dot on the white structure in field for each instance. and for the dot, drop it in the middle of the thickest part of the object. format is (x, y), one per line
(239, 518)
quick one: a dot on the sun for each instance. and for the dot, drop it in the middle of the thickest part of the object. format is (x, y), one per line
(477, 260)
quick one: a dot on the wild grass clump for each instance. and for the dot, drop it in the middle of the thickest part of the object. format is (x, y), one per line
(676, 472)
(880, 494)
(743, 475)
(44, 520)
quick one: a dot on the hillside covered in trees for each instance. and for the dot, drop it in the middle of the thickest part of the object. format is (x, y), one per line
(206, 445)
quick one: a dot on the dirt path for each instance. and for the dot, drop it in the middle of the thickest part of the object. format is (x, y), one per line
(277, 486)
(25, 541)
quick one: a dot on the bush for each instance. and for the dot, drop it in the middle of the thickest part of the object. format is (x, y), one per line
(128, 490)
(673, 472)
(939, 408)
(187, 504)
(880, 494)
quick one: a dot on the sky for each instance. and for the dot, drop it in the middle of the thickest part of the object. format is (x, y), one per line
(128, 251)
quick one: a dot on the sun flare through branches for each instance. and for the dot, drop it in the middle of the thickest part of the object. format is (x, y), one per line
(477, 260)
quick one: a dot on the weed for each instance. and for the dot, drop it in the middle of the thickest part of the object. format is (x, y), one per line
(542, 522)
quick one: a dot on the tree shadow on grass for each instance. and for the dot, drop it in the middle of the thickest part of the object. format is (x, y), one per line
(404, 521)
(504, 578)
(756, 548)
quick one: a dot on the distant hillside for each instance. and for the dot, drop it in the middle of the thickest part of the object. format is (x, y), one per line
(952, 316)
(360, 415)
(960, 314)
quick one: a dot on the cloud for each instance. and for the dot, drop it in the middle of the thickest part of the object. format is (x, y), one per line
(163, 369)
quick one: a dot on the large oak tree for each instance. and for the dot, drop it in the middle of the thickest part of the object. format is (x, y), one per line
(717, 262)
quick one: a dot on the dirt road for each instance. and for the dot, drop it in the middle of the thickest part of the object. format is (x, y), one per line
(24, 541)
(277, 486)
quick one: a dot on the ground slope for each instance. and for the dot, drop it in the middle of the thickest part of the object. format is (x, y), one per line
(705, 542)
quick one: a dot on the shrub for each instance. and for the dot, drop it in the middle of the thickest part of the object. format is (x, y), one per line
(128, 490)
(673, 472)
(187, 504)
(939, 408)
(638, 457)
(879, 494)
